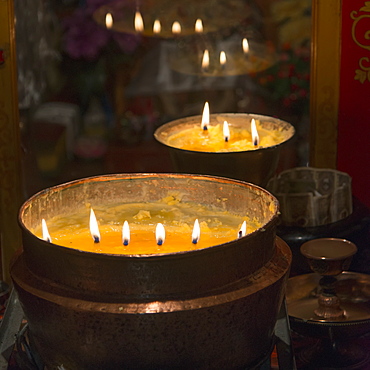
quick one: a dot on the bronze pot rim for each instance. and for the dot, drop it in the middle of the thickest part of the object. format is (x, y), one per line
(169, 125)
(273, 219)
(208, 269)
(309, 255)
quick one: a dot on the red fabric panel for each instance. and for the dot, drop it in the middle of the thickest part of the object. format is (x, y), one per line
(354, 100)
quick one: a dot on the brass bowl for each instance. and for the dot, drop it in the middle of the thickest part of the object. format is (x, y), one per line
(256, 166)
(328, 256)
(340, 343)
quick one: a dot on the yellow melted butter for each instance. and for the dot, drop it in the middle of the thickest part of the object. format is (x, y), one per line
(212, 140)
(217, 227)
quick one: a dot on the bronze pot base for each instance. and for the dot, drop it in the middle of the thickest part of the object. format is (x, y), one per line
(231, 329)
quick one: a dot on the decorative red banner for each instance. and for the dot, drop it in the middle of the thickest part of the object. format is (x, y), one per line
(354, 100)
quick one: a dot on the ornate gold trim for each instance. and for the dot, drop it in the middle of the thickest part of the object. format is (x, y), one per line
(10, 158)
(365, 8)
(363, 73)
(324, 90)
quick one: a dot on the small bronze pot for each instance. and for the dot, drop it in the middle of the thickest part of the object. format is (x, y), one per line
(256, 166)
(328, 256)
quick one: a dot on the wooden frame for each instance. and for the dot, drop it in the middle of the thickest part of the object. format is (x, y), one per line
(340, 87)
(324, 89)
(10, 149)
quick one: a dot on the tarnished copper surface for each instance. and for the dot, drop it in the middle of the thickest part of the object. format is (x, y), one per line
(205, 309)
(353, 291)
(339, 343)
(230, 329)
(11, 187)
(255, 166)
(328, 256)
(149, 275)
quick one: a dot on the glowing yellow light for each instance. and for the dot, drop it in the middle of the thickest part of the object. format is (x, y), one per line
(245, 45)
(160, 234)
(226, 131)
(205, 116)
(255, 136)
(157, 28)
(195, 236)
(199, 26)
(139, 22)
(125, 233)
(109, 21)
(45, 231)
(222, 58)
(176, 28)
(205, 60)
(94, 228)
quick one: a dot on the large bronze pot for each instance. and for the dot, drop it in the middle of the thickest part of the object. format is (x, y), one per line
(210, 308)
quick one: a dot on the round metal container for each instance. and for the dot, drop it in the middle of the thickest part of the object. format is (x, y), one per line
(355, 228)
(329, 256)
(256, 166)
(205, 309)
(341, 343)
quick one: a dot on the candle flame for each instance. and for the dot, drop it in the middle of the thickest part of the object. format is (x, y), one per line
(109, 21)
(139, 22)
(176, 28)
(94, 228)
(195, 236)
(157, 28)
(245, 45)
(160, 234)
(226, 131)
(205, 60)
(126, 233)
(255, 137)
(45, 231)
(199, 26)
(243, 230)
(222, 58)
(205, 116)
